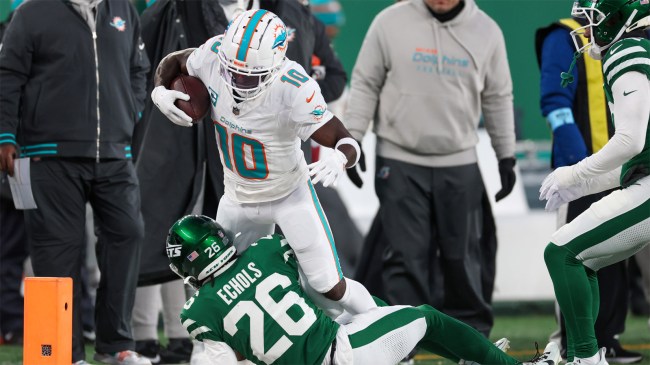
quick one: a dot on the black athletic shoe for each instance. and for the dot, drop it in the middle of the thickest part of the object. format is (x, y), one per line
(178, 351)
(619, 355)
(149, 349)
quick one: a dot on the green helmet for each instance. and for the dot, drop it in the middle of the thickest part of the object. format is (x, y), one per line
(609, 20)
(197, 247)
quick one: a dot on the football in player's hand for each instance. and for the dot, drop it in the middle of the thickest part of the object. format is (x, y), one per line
(199, 104)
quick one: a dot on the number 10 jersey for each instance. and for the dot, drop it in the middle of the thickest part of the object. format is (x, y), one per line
(259, 139)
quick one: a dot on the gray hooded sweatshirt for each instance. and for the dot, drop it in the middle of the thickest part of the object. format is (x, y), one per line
(426, 85)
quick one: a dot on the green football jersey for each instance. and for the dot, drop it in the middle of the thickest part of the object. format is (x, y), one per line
(259, 309)
(631, 54)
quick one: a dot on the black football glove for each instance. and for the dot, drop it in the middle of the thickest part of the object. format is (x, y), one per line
(352, 172)
(508, 177)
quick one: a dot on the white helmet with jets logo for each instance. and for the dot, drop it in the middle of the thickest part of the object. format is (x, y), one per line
(252, 52)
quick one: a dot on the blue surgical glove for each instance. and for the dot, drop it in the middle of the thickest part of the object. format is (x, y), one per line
(568, 145)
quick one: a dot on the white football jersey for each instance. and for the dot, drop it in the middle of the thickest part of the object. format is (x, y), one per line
(259, 139)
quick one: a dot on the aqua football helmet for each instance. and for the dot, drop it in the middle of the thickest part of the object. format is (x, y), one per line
(197, 247)
(608, 20)
(252, 52)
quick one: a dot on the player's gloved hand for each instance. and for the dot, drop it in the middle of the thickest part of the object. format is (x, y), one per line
(560, 179)
(164, 100)
(328, 169)
(563, 196)
(352, 172)
(508, 177)
(568, 145)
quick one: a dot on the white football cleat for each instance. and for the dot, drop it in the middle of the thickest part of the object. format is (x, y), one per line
(601, 359)
(502, 344)
(551, 356)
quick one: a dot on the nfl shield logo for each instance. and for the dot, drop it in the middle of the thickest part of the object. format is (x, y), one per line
(192, 256)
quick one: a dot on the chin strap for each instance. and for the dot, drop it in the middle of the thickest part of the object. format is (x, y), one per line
(567, 77)
(643, 23)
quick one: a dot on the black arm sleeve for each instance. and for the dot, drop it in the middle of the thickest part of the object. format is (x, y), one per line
(335, 77)
(15, 67)
(139, 66)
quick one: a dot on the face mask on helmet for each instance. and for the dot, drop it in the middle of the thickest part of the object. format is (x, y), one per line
(252, 53)
(244, 85)
(197, 248)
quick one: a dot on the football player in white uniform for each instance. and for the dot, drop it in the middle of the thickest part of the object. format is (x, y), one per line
(262, 105)
(618, 225)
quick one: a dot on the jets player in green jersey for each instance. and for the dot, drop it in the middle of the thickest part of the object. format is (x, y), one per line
(251, 307)
(617, 226)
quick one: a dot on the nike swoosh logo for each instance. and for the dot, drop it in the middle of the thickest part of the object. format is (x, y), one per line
(141, 46)
(616, 49)
(625, 93)
(311, 97)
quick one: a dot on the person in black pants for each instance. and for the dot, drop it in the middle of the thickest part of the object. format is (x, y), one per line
(426, 109)
(13, 252)
(72, 84)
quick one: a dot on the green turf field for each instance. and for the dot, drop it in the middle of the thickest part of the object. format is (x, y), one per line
(522, 331)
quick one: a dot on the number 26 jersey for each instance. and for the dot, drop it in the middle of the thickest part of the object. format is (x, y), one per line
(258, 308)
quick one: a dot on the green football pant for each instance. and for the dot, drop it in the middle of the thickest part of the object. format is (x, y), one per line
(385, 335)
(611, 230)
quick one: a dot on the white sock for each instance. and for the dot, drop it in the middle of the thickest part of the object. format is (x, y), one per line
(356, 298)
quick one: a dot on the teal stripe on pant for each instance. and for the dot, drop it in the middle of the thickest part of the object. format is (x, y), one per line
(326, 227)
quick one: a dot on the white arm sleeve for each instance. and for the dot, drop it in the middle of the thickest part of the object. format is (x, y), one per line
(219, 353)
(631, 93)
(600, 183)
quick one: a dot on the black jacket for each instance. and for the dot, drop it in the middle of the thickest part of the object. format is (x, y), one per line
(169, 158)
(333, 84)
(48, 80)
